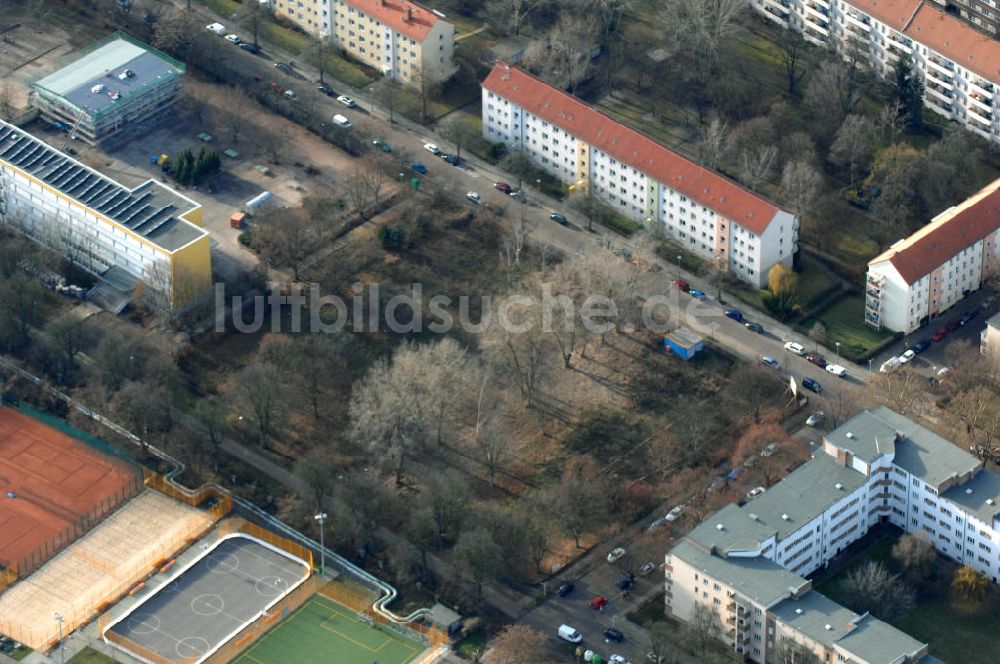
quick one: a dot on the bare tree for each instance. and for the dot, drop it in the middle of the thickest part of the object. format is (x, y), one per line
(230, 106)
(478, 557)
(794, 57)
(252, 17)
(854, 145)
(872, 588)
(387, 95)
(915, 552)
(580, 500)
(701, 25)
(286, 237)
(518, 642)
(317, 53)
(818, 334)
(793, 652)
(800, 184)
(364, 185)
(6, 100)
(260, 392)
(508, 16)
(756, 164)
(273, 143)
(145, 410)
(901, 390)
(458, 132)
(704, 627)
(564, 58)
(517, 238)
(713, 143)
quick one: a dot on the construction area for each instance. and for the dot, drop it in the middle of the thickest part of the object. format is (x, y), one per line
(113, 85)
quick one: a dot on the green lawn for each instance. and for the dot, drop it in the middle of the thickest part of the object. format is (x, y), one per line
(323, 631)
(90, 656)
(284, 38)
(955, 632)
(844, 322)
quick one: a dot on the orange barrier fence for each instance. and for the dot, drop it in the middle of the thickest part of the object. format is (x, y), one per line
(361, 600)
(221, 507)
(144, 653)
(288, 604)
(241, 525)
(7, 577)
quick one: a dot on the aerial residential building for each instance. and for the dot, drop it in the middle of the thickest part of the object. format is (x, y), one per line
(989, 338)
(403, 40)
(117, 85)
(749, 564)
(960, 66)
(149, 234)
(706, 213)
(313, 16)
(980, 14)
(921, 276)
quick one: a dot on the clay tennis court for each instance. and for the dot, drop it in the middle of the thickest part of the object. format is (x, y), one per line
(60, 487)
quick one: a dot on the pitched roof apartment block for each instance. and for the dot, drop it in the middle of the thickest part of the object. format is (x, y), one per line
(960, 66)
(637, 175)
(923, 275)
(407, 18)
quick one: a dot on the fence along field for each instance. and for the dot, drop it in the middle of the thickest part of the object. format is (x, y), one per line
(53, 489)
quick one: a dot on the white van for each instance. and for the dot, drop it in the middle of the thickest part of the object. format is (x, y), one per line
(217, 28)
(567, 633)
(341, 121)
(890, 365)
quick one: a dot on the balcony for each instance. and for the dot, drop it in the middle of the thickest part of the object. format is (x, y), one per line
(858, 20)
(821, 26)
(939, 91)
(823, 4)
(985, 118)
(939, 106)
(983, 87)
(941, 65)
(872, 319)
(776, 14)
(982, 102)
(979, 129)
(813, 35)
(873, 304)
(816, 10)
(905, 44)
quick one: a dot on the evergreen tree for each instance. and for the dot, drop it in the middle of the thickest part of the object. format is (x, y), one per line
(908, 90)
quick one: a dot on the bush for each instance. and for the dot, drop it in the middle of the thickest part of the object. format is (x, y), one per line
(604, 215)
(393, 238)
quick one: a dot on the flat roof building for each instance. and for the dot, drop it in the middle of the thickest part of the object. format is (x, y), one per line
(150, 233)
(113, 85)
(750, 563)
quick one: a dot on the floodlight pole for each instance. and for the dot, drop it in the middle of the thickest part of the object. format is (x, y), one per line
(62, 647)
(321, 517)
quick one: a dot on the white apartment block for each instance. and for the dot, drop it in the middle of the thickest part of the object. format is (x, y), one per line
(313, 16)
(403, 40)
(989, 338)
(921, 276)
(703, 211)
(149, 234)
(960, 66)
(749, 564)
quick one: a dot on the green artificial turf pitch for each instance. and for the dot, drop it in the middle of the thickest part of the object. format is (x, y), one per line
(323, 631)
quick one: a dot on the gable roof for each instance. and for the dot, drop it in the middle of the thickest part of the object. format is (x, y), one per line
(407, 18)
(950, 232)
(894, 13)
(962, 44)
(630, 147)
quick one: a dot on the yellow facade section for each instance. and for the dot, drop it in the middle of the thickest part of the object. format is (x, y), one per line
(195, 216)
(192, 271)
(582, 159)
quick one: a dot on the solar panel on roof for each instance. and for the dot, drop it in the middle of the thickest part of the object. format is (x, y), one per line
(133, 214)
(112, 201)
(124, 208)
(93, 196)
(158, 224)
(68, 175)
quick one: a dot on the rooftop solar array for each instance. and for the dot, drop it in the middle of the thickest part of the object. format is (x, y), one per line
(148, 211)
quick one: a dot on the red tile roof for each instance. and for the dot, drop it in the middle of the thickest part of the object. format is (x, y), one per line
(702, 185)
(894, 13)
(956, 229)
(407, 18)
(956, 41)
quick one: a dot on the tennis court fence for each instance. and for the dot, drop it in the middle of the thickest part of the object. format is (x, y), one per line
(360, 599)
(212, 498)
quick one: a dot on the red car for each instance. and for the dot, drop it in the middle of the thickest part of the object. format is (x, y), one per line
(816, 359)
(598, 602)
(953, 325)
(940, 334)
(684, 286)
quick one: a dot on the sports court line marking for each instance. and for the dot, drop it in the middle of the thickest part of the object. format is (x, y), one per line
(335, 610)
(347, 638)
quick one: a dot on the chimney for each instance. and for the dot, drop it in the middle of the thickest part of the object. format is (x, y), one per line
(409, 14)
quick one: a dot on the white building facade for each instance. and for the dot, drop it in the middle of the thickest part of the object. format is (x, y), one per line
(920, 277)
(704, 212)
(878, 467)
(960, 66)
(149, 234)
(403, 40)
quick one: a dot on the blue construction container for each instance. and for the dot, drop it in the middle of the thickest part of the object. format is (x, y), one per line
(683, 344)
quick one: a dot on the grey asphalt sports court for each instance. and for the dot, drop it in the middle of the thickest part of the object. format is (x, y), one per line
(196, 612)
